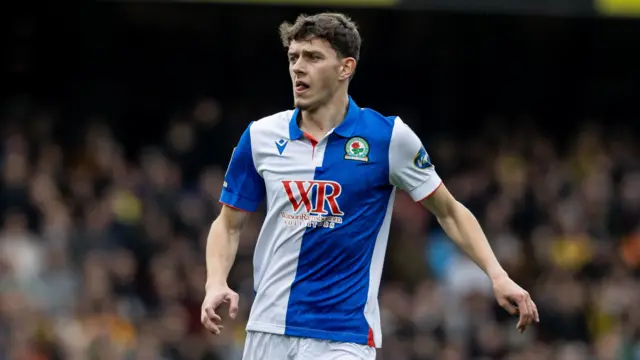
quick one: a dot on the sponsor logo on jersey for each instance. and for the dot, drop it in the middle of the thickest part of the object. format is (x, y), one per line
(356, 148)
(422, 160)
(314, 203)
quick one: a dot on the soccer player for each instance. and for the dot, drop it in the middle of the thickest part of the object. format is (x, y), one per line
(328, 171)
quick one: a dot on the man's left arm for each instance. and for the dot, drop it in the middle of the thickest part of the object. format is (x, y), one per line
(410, 169)
(463, 228)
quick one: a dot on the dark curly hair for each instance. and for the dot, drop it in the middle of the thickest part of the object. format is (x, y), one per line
(337, 29)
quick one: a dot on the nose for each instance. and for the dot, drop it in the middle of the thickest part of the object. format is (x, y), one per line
(298, 67)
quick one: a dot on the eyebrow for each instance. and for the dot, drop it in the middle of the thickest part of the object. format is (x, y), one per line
(305, 52)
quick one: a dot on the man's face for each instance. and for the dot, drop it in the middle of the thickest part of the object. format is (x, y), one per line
(316, 72)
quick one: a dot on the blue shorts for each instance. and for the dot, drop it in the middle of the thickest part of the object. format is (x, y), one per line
(265, 346)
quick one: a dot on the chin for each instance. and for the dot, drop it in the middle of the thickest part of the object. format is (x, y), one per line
(302, 104)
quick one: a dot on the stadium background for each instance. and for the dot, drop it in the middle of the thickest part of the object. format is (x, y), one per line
(118, 121)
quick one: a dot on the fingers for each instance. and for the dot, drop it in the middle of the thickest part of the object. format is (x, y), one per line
(211, 320)
(528, 312)
(523, 308)
(507, 305)
(211, 326)
(211, 314)
(536, 315)
(233, 300)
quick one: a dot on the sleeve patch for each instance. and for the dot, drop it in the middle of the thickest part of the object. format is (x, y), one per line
(422, 159)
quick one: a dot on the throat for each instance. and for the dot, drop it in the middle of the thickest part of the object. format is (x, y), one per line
(320, 122)
(316, 133)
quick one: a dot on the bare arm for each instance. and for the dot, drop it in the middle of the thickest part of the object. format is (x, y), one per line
(222, 245)
(463, 228)
(410, 169)
(242, 191)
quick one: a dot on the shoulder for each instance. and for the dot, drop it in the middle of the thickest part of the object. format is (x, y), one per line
(273, 122)
(391, 131)
(373, 117)
(376, 126)
(272, 127)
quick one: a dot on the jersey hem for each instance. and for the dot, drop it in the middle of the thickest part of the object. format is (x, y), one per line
(430, 193)
(360, 339)
(425, 189)
(237, 201)
(233, 207)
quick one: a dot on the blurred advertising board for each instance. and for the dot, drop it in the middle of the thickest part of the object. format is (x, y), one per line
(520, 7)
(623, 8)
(341, 3)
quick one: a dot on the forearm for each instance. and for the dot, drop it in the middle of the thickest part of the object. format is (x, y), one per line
(463, 228)
(222, 246)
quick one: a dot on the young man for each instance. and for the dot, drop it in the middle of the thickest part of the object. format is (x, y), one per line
(329, 172)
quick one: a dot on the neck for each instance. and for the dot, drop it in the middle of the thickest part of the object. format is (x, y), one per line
(319, 121)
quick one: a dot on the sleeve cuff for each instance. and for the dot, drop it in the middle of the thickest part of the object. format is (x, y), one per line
(237, 201)
(425, 189)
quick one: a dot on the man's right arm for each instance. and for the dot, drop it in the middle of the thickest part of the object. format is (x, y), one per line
(242, 192)
(222, 245)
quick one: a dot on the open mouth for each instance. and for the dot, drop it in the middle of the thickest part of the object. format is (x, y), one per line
(301, 86)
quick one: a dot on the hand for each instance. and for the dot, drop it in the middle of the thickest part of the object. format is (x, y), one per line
(215, 297)
(508, 293)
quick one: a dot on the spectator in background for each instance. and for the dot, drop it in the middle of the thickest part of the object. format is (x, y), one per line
(101, 255)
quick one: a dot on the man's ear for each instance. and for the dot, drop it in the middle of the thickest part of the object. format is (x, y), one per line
(348, 68)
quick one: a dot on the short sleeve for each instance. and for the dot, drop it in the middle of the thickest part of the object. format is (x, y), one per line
(410, 167)
(243, 187)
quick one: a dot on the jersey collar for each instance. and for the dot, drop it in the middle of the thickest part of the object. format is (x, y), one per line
(345, 129)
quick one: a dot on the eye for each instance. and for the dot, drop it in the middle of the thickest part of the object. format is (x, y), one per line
(293, 58)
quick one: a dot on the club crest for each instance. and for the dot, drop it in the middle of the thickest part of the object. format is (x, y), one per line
(356, 148)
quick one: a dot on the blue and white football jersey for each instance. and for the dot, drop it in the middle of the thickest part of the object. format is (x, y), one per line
(319, 256)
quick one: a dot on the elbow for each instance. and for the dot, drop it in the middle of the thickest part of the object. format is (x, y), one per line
(229, 222)
(221, 226)
(447, 222)
(452, 214)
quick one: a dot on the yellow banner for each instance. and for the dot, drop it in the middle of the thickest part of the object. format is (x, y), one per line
(347, 3)
(618, 7)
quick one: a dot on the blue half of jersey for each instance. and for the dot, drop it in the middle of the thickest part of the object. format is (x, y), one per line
(330, 290)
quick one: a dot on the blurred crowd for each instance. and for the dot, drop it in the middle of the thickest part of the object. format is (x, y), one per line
(102, 254)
